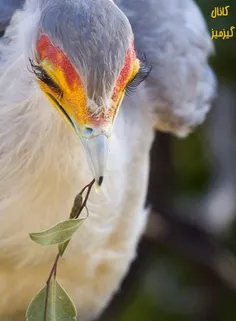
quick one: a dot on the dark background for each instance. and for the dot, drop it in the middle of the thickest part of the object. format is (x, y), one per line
(186, 270)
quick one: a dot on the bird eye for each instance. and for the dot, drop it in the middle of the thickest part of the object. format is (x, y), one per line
(142, 74)
(43, 76)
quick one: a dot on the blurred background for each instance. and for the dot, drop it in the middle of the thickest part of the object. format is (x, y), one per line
(186, 264)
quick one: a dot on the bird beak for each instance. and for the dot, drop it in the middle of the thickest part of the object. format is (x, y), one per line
(94, 141)
(95, 147)
(96, 150)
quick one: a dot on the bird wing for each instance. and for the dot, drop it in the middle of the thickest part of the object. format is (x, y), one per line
(7, 9)
(174, 37)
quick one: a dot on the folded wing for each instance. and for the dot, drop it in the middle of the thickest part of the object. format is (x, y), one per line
(174, 36)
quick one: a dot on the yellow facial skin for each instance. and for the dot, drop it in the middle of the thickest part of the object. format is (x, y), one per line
(122, 82)
(72, 96)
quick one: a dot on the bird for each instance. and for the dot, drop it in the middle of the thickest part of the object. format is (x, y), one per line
(84, 85)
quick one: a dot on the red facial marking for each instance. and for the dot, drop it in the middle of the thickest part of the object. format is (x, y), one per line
(47, 50)
(126, 70)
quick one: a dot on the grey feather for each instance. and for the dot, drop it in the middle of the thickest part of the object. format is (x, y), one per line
(95, 36)
(7, 8)
(175, 39)
(42, 165)
(173, 36)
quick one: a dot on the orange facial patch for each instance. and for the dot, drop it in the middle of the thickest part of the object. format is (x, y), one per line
(74, 99)
(126, 72)
(59, 68)
(55, 56)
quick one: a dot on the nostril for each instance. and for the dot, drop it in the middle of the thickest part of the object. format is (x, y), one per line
(88, 131)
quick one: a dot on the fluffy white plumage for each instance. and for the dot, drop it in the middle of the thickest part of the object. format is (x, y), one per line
(42, 167)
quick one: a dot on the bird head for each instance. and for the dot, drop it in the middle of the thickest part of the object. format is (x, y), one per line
(84, 59)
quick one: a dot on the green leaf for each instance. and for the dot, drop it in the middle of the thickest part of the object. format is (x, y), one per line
(59, 306)
(59, 233)
(76, 206)
(62, 247)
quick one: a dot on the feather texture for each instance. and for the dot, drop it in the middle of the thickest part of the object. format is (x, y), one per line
(42, 165)
(175, 39)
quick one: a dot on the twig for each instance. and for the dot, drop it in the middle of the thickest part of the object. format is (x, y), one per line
(53, 272)
(54, 267)
(89, 187)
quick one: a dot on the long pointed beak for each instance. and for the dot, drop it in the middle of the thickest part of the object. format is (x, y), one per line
(96, 150)
(94, 142)
(95, 145)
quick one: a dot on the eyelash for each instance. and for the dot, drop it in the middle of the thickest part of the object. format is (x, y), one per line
(143, 73)
(41, 74)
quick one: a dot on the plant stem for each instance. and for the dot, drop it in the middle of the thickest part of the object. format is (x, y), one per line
(54, 267)
(53, 272)
(89, 187)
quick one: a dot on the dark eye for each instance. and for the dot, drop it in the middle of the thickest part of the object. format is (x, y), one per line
(142, 74)
(42, 75)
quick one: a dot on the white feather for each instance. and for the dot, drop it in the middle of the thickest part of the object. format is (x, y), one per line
(42, 168)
